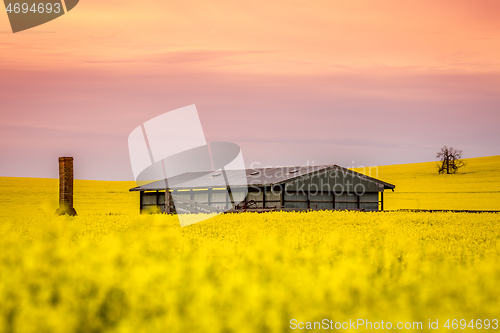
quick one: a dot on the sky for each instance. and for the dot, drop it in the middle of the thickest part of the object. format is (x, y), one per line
(353, 83)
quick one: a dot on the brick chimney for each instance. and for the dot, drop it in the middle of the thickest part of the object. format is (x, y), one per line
(66, 187)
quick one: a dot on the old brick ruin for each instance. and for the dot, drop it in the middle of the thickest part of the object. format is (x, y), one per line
(66, 187)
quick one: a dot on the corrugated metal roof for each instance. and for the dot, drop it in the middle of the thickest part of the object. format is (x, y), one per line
(254, 177)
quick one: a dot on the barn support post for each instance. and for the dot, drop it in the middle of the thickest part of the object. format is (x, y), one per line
(382, 200)
(358, 201)
(228, 189)
(283, 189)
(333, 200)
(167, 201)
(230, 196)
(264, 197)
(141, 201)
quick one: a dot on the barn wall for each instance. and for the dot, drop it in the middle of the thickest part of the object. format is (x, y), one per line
(219, 199)
(295, 200)
(273, 198)
(370, 201)
(337, 188)
(320, 201)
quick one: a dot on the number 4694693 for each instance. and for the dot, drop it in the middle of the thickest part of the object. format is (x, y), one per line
(478, 324)
(35, 8)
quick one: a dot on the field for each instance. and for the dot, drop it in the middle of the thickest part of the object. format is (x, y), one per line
(113, 270)
(419, 186)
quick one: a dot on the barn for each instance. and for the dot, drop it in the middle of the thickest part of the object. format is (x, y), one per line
(327, 187)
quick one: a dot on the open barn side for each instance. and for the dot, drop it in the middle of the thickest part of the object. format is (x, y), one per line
(302, 188)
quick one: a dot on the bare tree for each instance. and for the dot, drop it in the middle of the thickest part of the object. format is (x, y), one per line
(451, 160)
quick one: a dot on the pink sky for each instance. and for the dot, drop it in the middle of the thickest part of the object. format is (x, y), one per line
(291, 82)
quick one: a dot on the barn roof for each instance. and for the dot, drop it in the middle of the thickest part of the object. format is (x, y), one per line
(253, 177)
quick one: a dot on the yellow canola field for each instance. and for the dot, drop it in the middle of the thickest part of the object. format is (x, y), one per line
(112, 270)
(419, 186)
